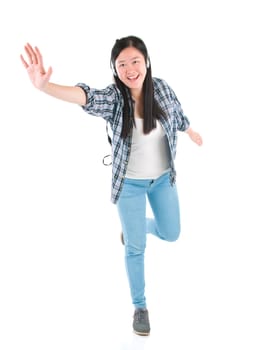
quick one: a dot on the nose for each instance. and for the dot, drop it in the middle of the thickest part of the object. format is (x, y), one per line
(129, 69)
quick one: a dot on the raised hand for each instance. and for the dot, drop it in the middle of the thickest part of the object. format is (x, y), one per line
(35, 67)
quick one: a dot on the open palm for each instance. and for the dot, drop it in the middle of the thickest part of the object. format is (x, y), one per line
(35, 68)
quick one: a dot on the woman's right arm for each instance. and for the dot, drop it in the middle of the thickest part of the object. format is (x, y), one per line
(40, 79)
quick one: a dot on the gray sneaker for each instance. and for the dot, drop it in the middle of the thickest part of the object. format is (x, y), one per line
(141, 324)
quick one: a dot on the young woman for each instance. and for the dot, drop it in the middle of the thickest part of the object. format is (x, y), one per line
(145, 115)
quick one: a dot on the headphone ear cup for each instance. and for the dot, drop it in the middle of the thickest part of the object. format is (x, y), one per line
(113, 70)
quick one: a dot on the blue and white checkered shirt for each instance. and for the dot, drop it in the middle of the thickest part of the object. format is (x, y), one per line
(108, 104)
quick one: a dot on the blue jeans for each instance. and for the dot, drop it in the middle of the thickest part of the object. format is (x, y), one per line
(131, 205)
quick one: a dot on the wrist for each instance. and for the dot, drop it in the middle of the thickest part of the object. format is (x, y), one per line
(189, 131)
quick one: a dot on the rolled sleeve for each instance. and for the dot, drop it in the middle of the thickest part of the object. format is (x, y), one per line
(100, 102)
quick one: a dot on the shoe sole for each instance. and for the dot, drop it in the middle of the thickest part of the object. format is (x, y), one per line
(142, 333)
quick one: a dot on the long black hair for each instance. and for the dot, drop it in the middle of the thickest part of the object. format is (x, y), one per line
(152, 110)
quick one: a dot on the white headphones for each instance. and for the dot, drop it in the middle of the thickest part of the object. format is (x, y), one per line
(114, 70)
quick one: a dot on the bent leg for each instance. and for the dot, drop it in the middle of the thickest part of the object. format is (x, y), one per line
(164, 202)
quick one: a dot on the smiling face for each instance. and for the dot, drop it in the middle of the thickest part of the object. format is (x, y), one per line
(131, 69)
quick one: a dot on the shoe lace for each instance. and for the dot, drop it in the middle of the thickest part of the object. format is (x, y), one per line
(141, 315)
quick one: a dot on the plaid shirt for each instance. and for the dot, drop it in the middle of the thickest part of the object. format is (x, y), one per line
(108, 104)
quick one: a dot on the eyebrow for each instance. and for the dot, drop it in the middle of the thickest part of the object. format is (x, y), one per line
(132, 58)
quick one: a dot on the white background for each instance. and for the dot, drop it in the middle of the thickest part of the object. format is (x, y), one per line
(62, 276)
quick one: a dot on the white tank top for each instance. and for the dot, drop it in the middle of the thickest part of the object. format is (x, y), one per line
(150, 153)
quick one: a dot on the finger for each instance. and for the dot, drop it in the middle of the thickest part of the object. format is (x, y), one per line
(48, 73)
(24, 62)
(28, 53)
(39, 57)
(31, 54)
